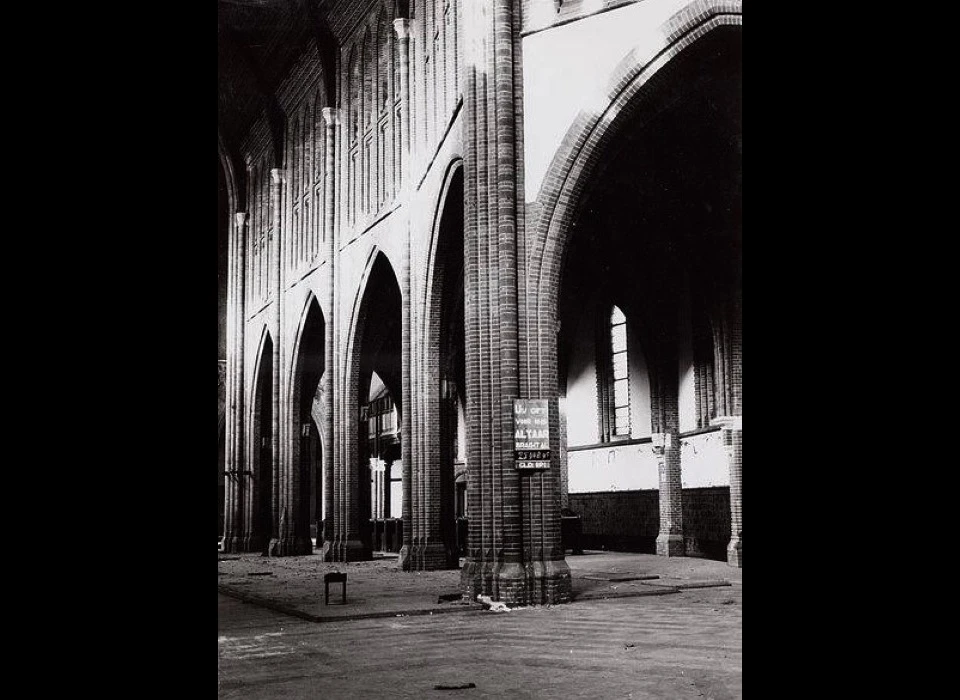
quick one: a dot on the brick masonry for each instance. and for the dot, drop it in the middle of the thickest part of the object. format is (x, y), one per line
(420, 97)
(630, 521)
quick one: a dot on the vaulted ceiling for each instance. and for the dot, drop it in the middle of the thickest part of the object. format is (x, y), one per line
(257, 43)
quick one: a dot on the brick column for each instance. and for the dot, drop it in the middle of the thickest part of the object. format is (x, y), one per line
(387, 487)
(564, 462)
(235, 464)
(294, 519)
(666, 443)
(330, 120)
(276, 179)
(514, 552)
(472, 577)
(670, 540)
(402, 27)
(732, 430)
(407, 558)
(511, 576)
(728, 358)
(229, 380)
(245, 493)
(346, 187)
(294, 536)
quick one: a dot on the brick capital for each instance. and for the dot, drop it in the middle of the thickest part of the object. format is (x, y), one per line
(402, 27)
(728, 422)
(331, 116)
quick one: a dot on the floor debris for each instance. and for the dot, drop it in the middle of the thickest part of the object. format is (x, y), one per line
(491, 604)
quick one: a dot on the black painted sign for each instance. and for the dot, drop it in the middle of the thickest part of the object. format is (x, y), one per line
(531, 419)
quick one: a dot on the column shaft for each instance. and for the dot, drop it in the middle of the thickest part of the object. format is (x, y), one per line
(275, 322)
(329, 362)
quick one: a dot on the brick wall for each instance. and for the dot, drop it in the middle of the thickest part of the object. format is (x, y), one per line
(629, 521)
(706, 522)
(626, 521)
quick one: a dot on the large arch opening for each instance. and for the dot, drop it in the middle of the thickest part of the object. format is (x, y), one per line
(308, 418)
(263, 523)
(223, 218)
(379, 405)
(447, 345)
(651, 278)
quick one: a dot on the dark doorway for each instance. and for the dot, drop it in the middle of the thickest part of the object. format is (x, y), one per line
(449, 285)
(379, 337)
(263, 506)
(308, 417)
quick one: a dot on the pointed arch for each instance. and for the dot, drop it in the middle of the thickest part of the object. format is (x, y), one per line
(453, 175)
(378, 269)
(261, 342)
(443, 353)
(373, 345)
(261, 459)
(578, 159)
(368, 61)
(307, 455)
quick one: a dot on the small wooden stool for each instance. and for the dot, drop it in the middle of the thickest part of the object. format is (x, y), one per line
(334, 577)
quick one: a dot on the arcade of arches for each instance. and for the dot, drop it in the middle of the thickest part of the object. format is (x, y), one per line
(420, 223)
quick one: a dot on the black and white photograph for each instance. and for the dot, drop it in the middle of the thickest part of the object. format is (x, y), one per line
(480, 426)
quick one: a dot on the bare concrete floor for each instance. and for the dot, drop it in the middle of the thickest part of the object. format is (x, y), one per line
(687, 644)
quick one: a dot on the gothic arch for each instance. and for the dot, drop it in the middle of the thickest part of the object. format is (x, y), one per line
(379, 298)
(262, 460)
(307, 454)
(442, 357)
(579, 157)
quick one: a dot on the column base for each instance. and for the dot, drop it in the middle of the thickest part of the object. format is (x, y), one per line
(670, 546)
(471, 583)
(511, 584)
(291, 547)
(535, 583)
(232, 544)
(735, 552)
(413, 561)
(328, 551)
(356, 550)
(435, 556)
(256, 543)
(406, 559)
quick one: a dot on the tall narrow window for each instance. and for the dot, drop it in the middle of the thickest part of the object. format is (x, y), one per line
(620, 374)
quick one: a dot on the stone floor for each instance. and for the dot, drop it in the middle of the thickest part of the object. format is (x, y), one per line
(615, 641)
(294, 585)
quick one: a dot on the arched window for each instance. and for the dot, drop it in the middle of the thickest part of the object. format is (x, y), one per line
(318, 138)
(354, 90)
(292, 152)
(613, 375)
(367, 102)
(619, 375)
(354, 94)
(368, 71)
(384, 67)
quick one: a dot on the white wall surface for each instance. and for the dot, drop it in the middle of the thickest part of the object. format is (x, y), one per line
(614, 468)
(640, 412)
(583, 425)
(566, 71)
(704, 461)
